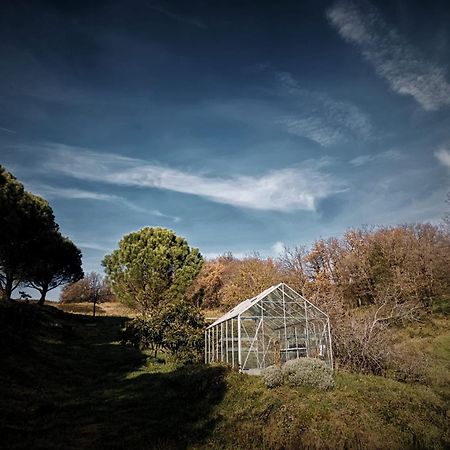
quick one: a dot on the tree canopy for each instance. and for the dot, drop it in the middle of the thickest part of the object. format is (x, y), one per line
(55, 260)
(150, 267)
(23, 219)
(32, 251)
(92, 288)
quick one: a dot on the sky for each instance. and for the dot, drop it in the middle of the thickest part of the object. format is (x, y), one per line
(243, 126)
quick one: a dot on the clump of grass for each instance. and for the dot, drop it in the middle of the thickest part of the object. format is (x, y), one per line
(441, 305)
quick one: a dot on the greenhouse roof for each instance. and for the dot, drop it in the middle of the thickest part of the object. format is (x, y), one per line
(243, 306)
(247, 304)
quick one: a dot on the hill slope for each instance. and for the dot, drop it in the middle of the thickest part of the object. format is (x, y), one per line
(65, 382)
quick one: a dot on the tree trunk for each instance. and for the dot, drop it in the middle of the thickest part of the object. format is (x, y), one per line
(43, 292)
(8, 287)
(93, 313)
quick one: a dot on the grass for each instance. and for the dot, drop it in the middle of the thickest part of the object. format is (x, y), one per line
(65, 382)
(102, 309)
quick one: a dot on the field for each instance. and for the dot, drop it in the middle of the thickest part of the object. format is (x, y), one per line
(115, 309)
(66, 382)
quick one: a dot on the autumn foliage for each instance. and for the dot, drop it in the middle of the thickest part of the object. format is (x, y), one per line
(369, 282)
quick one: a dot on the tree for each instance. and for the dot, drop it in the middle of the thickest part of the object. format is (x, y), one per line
(249, 277)
(150, 267)
(226, 281)
(54, 261)
(92, 288)
(205, 291)
(24, 218)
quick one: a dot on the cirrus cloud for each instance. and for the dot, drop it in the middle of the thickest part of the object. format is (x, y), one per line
(287, 189)
(443, 156)
(404, 67)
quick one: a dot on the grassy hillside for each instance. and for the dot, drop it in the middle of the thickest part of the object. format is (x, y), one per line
(65, 382)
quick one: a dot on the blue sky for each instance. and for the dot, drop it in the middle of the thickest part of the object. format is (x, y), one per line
(242, 126)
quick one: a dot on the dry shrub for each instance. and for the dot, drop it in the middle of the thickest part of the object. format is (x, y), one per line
(308, 372)
(300, 372)
(273, 376)
(407, 364)
(362, 336)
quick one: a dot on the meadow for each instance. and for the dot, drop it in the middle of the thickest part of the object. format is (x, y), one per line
(66, 382)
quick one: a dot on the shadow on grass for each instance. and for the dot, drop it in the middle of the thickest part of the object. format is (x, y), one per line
(76, 387)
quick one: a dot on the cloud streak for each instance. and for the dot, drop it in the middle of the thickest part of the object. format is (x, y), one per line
(362, 160)
(290, 189)
(326, 121)
(404, 67)
(52, 192)
(179, 17)
(7, 130)
(443, 156)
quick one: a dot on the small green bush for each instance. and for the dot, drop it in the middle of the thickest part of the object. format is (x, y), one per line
(308, 372)
(176, 328)
(272, 376)
(142, 333)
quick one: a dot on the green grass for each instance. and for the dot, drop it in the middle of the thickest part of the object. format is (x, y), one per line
(65, 382)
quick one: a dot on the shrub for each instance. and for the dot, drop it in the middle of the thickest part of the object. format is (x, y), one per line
(407, 363)
(309, 372)
(272, 376)
(142, 333)
(177, 328)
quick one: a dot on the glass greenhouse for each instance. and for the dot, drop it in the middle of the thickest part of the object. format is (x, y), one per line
(277, 325)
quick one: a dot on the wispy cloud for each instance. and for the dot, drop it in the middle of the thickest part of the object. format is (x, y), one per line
(7, 130)
(443, 156)
(368, 158)
(324, 120)
(52, 192)
(178, 17)
(289, 189)
(406, 69)
(93, 246)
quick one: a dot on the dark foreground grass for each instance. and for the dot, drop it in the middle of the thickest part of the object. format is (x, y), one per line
(65, 382)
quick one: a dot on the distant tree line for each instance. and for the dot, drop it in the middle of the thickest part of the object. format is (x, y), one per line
(33, 252)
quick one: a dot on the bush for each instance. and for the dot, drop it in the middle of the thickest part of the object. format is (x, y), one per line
(272, 376)
(176, 328)
(142, 333)
(309, 372)
(407, 364)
